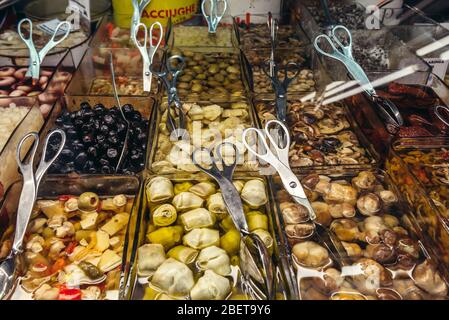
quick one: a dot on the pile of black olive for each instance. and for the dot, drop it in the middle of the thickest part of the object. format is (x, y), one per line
(95, 138)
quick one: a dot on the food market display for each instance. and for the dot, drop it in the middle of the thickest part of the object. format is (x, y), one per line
(125, 212)
(363, 216)
(208, 126)
(74, 248)
(192, 248)
(320, 135)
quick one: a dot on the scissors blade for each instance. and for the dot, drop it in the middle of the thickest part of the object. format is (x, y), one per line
(234, 204)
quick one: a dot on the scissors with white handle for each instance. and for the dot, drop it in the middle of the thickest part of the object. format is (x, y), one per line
(138, 7)
(343, 53)
(35, 57)
(213, 16)
(148, 54)
(278, 159)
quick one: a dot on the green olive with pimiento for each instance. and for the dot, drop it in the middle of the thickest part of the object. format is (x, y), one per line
(88, 201)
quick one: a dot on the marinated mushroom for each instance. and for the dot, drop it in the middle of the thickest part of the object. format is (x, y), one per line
(323, 216)
(345, 230)
(310, 254)
(338, 193)
(294, 213)
(427, 278)
(364, 181)
(372, 277)
(369, 204)
(342, 210)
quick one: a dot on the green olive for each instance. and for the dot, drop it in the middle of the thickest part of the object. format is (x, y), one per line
(213, 68)
(183, 85)
(213, 83)
(201, 76)
(88, 201)
(197, 88)
(198, 57)
(90, 270)
(219, 77)
(223, 65)
(187, 53)
(191, 63)
(186, 78)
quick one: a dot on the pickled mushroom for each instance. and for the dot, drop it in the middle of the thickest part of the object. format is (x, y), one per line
(299, 231)
(372, 277)
(427, 278)
(323, 216)
(338, 193)
(294, 213)
(364, 181)
(369, 204)
(310, 254)
(345, 230)
(341, 210)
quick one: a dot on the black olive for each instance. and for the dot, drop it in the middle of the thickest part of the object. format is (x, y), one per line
(92, 170)
(127, 109)
(89, 164)
(142, 137)
(113, 140)
(100, 138)
(332, 142)
(88, 114)
(121, 127)
(309, 118)
(104, 162)
(112, 133)
(59, 121)
(66, 154)
(67, 125)
(85, 105)
(108, 119)
(70, 166)
(135, 116)
(71, 133)
(104, 129)
(112, 153)
(106, 170)
(79, 114)
(86, 128)
(78, 123)
(88, 139)
(92, 152)
(80, 160)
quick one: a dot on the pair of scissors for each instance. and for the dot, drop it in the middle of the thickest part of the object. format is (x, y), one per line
(273, 27)
(138, 7)
(234, 205)
(36, 58)
(119, 106)
(148, 55)
(343, 53)
(215, 14)
(278, 159)
(31, 182)
(280, 87)
(169, 74)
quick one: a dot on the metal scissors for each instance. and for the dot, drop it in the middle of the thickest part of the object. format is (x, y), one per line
(31, 182)
(278, 159)
(148, 55)
(35, 57)
(138, 7)
(343, 53)
(213, 17)
(169, 75)
(234, 205)
(119, 106)
(273, 27)
(280, 87)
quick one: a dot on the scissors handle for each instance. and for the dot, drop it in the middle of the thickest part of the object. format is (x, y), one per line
(64, 27)
(43, 164)
(441, 116)
(28, 194)
(214, 171)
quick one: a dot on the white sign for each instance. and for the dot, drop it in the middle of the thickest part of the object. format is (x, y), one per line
(439, 66)
(50, 26)
(82, 5)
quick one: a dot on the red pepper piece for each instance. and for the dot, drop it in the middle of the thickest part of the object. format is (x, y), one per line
(69, 294)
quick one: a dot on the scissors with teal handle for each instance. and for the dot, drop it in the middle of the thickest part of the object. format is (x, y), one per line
(213, 17)
(35, 57)
(148, 54)
(277, 157)
(343, 53)
(138, 7)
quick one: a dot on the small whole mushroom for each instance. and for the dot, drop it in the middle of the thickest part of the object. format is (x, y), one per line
(369, 204)
(373, 276)
(380, 252)
(342, 210)
(310, 254)
(331, 282)
(323, 216)
(345, 230)
(427, 278)
(299, 231)
(294, 213)
(339, 193)
(364, 181)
